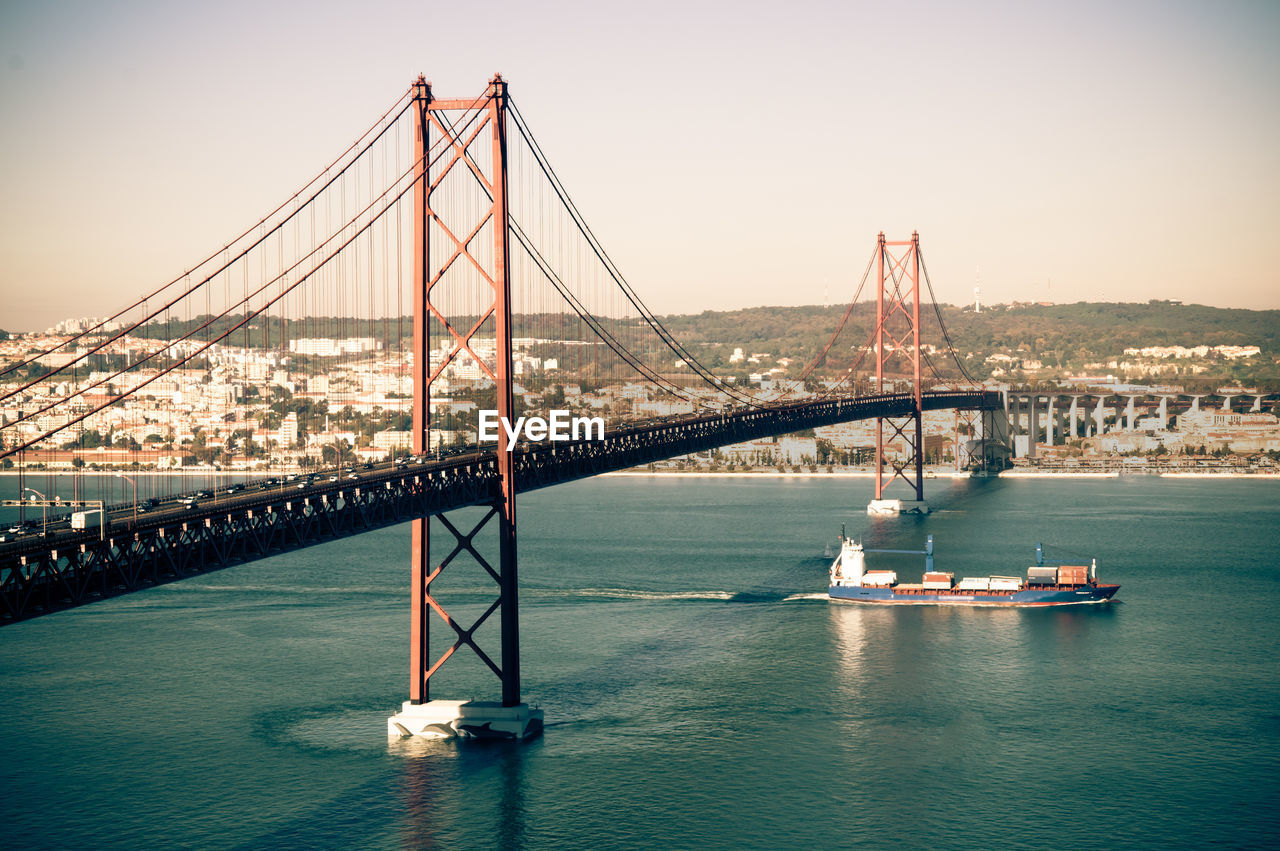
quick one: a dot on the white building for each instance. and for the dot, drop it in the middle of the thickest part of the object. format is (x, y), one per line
(326, 347)
(289, 429)
(797, 450)
(391, 439)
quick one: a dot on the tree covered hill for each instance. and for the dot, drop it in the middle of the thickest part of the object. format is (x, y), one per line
(1101, 329)
(1106, 330)
(1062, 336)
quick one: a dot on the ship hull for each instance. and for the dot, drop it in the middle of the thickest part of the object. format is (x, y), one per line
(1057, 595)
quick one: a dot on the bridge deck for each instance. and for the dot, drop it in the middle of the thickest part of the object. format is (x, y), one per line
(65, 568)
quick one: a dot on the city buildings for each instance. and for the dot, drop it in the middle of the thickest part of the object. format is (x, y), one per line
(319, 400)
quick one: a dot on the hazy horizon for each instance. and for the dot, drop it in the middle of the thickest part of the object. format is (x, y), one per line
(727, 156)
(832, 306)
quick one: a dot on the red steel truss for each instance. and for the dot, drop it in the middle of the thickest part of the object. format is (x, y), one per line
(453, 149)
(897, 338)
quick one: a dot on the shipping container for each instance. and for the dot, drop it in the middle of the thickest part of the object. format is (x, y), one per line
(1005, 583)
(937, 584)
(1050, 573)
(938, 577)
(879, 577)
(972, 583)
(1073, 575)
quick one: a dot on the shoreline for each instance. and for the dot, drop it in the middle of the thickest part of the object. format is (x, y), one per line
(1053, 474)
(1007, 474)
(756, 474)
(1210, 474)
(110, 474)
(762, 474)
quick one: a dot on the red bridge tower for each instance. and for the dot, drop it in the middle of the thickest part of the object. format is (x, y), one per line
(899, 440)
(454, 266)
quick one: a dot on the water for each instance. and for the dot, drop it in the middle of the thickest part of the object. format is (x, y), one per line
(699, 691)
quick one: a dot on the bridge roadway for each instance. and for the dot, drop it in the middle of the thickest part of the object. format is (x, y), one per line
(44, 573)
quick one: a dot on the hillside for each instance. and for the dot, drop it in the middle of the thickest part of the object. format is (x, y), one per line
(1064, 337)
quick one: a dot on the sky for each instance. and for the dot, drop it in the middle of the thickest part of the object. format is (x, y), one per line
(727, 155)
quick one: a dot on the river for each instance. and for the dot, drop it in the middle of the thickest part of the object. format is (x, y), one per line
(699, 689)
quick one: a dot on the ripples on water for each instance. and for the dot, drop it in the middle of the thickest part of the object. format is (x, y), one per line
(699, 689)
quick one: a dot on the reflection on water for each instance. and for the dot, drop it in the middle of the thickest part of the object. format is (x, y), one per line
(925, 670)
(849, 641)
(448, 784)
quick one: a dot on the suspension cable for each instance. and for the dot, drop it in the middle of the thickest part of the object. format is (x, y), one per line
(169, 347)
(594, 323)
(941, 324)
(822, 355)
(155, 293)
(649, 317)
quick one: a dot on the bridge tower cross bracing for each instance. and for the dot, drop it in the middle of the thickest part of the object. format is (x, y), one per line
(421, 715)
(898, 333)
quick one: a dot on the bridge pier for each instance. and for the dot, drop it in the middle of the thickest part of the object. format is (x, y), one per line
(1033, 423)
(1024, 424)
(995, 439)
(467, 719)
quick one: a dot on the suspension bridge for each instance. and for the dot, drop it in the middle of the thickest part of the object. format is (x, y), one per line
(438, 267)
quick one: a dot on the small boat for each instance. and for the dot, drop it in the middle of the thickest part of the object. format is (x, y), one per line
(1044, 585)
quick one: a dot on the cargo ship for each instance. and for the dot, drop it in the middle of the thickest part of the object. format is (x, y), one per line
(1044, 585)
